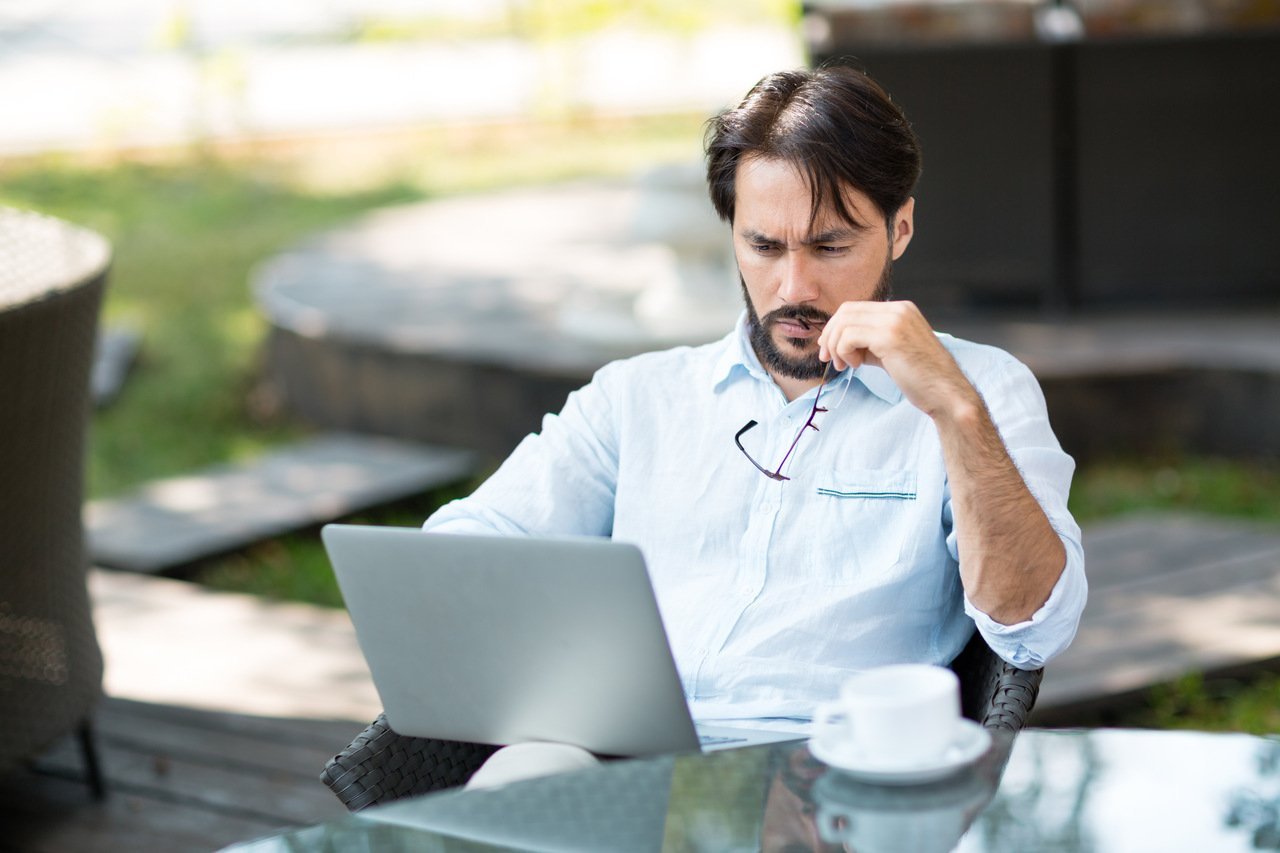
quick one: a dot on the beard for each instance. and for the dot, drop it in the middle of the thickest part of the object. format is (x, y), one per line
(802, 367)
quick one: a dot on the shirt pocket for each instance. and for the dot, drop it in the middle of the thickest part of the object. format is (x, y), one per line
(870, 516)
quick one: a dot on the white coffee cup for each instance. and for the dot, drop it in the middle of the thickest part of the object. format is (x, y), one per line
(892, 717)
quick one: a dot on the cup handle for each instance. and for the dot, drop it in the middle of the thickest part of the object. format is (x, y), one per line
(829, 823)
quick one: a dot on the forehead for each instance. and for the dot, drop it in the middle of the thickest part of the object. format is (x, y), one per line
(776, 193)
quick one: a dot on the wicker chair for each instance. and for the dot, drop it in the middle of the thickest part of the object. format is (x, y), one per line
(380, 765)
(52, 277)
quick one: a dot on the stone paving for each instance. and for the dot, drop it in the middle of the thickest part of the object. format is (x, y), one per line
(179, 520)
(1169, 594)
(171, 642)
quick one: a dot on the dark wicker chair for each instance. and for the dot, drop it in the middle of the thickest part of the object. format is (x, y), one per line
(380, 765)
(992, 692)
(51, 282)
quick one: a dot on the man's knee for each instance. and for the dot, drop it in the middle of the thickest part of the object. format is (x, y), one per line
(528, 760)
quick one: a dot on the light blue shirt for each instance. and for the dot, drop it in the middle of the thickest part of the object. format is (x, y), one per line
(772, 592)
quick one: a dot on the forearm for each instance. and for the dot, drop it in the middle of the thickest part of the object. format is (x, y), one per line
(1010, 556)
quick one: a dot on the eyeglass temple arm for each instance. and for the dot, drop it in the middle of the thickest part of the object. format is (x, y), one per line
(772, 475)
(808, 424)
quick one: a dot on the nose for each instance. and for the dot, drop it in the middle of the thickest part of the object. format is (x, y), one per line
(797, 284)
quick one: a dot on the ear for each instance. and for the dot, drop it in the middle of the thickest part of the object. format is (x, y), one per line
(903, 227)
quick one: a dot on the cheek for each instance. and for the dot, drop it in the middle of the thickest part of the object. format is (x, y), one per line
(747, 260)
(755, 274)
(857, 281)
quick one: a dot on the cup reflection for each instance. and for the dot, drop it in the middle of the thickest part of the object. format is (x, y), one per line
(921, 818)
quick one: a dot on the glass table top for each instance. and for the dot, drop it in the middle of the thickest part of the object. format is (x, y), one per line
(1072, 791)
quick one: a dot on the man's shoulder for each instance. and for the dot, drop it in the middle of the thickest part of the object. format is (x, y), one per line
(975, 356)
(995, 372)
(675, 364)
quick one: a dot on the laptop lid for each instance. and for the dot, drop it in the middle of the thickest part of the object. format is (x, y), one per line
(501, 640)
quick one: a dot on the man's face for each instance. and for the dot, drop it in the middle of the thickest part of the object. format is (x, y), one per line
(796, 267)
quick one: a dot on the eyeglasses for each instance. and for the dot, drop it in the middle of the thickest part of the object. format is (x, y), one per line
(808, 425)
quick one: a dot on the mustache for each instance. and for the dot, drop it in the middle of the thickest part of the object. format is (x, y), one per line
(805, 315)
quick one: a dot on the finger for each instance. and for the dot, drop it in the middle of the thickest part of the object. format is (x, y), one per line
(847, 350)
(844, 340)
(827, 347)
(849, 314)
(826, 343)
(845, 316)
(853, 358)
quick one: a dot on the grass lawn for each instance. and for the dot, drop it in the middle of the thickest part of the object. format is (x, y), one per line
(1242, 489)
(188, 232)
(185, 238)
(188, 229)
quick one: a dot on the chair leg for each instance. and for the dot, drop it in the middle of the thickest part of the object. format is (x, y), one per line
(93, 768)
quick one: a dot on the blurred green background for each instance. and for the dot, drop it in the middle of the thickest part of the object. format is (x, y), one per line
(188, 224)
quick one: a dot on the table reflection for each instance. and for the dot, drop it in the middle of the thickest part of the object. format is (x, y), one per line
(781, 799)
(1118, 791)
(1255, 810)
(918, 819)
(1101, 791)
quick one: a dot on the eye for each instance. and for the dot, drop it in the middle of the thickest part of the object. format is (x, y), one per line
(762, 247)
(832, 250)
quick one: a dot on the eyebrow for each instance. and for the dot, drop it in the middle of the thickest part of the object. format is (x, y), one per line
(832, 235)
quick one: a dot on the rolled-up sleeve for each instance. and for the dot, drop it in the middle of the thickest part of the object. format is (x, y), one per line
(1032, 643)
(559, 481)
(1017, 407)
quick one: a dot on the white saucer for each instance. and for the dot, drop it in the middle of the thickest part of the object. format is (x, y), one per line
(972, 740)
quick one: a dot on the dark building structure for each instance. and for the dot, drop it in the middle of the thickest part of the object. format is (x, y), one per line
(1118, 153)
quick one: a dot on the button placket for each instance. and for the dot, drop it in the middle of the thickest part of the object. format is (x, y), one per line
(743, 590)
(777, 435)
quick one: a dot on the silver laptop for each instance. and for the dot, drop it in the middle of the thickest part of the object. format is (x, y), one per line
(498, 639)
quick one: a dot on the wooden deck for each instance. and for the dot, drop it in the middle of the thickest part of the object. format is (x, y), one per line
(179, 780)
(226, 707)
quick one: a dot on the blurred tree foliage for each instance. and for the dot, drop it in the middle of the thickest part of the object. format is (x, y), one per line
(556, 20)
(549, 19)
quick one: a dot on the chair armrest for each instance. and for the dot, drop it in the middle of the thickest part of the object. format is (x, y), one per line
(993, 692)
(382, 765)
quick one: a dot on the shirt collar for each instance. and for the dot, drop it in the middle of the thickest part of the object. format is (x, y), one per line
(738, 359)
(879, 382)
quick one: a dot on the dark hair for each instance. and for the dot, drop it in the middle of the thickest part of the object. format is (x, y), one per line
(835, 124)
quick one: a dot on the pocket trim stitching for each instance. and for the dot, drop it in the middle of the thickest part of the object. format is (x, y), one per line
(835, 493)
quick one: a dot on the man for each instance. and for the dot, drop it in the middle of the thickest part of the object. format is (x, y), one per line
(891, 487)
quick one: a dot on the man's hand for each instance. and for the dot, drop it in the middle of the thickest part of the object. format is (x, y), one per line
(897, 337)
(1010, 557)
